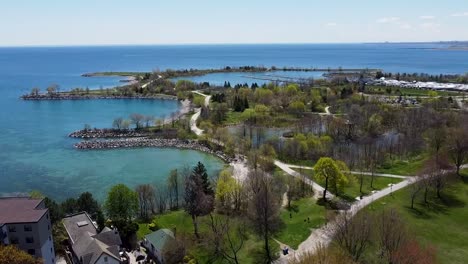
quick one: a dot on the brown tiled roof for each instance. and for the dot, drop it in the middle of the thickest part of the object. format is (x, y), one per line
(20, 210)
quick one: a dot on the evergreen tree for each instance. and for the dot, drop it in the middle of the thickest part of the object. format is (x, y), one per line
(200, 171)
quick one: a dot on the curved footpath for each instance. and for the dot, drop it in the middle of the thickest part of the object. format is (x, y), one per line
(324, 235)
(194, 118)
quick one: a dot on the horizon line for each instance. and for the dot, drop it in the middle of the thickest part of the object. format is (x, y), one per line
(224, 44)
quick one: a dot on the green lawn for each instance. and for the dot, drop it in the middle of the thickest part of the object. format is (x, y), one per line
(351, 191)
(296, 228)
(442, 223)
(182, 223)
(233, 118)
(408, 167)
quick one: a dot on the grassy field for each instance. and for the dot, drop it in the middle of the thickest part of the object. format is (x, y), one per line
(441, 223)
(182, 223)
(352, 190)
(409, 167)
(296, 228)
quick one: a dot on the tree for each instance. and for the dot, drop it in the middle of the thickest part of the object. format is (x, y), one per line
(52, 89)
(436, 138)
(353, 233)
(197, 201)
(413, 253)
(69, 206)
(148, 120)
(297, 108)
(86, 203)
(226, 238)
(100, 220)
(173, 189)
(137, 120)
(458, 147)
(121, 203)
(35, 91)
(392, 233)
(200, 171)
(327, 170)
(13, 255)
(226, 189)
(146, 196)
(55, 211)
(264, 205)
(118, 123)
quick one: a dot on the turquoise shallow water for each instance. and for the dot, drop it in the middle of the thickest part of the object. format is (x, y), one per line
(35, 152)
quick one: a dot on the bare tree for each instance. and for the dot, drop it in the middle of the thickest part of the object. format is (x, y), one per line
(226, 238)
(118, 123)
(137, 120)
(146, 195)
(353, 234)
(392, 233)
(173, 189)
(458, 146)
(264, 207)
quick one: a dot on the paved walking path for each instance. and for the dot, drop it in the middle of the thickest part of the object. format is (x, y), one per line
(323, 236)
(194, 118)
(318, 190)
(352, 172)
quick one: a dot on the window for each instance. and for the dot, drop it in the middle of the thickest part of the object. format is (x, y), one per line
(29, 240)
(51, 251)
(48, 227)
(12, 229)
(28, 228)
(105, 259)
(14, 240)
(31, 252)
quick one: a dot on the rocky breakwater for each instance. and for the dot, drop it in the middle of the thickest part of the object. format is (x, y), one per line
(151, 142)
(108, 133)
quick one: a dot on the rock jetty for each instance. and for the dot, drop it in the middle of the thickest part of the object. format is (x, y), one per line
(109, 133)
(144, 142)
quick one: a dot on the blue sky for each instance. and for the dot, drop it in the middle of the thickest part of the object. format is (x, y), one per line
(101, 22)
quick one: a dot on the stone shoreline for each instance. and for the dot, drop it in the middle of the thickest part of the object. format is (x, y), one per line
(144, 142)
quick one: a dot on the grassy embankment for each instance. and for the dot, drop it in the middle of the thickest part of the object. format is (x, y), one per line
(440, 223)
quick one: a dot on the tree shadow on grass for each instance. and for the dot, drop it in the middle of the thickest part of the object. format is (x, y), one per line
(418, 213)
(293, 209)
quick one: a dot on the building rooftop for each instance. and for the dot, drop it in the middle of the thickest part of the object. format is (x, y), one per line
(87, 243)
(21, 210)
(161, 238)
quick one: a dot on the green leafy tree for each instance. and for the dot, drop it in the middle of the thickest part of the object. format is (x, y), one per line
(13, 255)
(86, 203)
(227, 189)
(328, 171)
(121, 203)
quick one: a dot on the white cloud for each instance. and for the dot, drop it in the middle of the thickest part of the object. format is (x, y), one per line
(331, 24)
(463, 14)
(388, 20)
(427, 17)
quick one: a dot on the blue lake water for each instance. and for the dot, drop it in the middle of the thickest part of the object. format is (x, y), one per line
(259, 78)
(35, 152)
